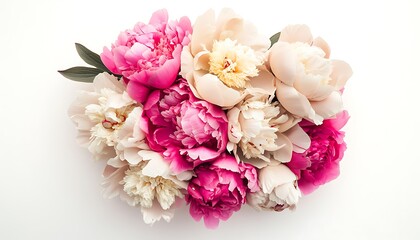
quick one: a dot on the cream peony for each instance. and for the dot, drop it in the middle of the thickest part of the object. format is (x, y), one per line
(225, 57)
(262, 133)
(148, 184)
(278, 189)
(100, 113)
(131, 138)
(309, 83)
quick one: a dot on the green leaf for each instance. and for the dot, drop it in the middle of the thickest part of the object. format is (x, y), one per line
(274, 38)
(90, 57)
(81, 74)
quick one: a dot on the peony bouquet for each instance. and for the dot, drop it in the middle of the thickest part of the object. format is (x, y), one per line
(213, 115)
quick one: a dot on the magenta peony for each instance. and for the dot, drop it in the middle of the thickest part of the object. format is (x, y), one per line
(219, 189)
(187, 130)
(320, 163)
(149, 56)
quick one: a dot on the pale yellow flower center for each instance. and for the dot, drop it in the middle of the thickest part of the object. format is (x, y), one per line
(233, 63)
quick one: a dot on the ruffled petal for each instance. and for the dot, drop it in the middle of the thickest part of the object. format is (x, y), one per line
(159, 17)
(156, 165)
(204, 29)
(105, 80)
(265, 81)
(156, 213)
(341, 72)
(330, 106)
(211, 89)
(273, 176)
(300, 140)
(295, 102)
(138, 91)
(296, 33)
(321, 43)
(282, 61)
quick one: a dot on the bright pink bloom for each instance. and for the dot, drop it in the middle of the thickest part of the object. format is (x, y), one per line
(149, 55)
(187, 130)
(219, 189)
(320, 163)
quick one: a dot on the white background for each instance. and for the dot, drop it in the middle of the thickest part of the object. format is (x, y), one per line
(50, 187)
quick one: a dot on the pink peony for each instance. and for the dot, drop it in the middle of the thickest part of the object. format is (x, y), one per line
(320, 163)
(187, 130)
(219, 189)
(149, 56)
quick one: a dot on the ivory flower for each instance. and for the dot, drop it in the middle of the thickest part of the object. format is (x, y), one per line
(148, 184)
(278, 189)
(100, 113)
(309, 82)
(262, 133)
(225, 57)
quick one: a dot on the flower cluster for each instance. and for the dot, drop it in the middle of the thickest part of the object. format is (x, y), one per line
(216, 115)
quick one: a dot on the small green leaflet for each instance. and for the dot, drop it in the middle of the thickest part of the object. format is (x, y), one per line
(90, 57)
(86, 74)
(81, 74)
(274, 38)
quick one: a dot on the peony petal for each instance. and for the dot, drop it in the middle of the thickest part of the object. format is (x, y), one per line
(159, 17)
(284, 154)
(105, 80)
(156, 165)
(300, 140)
(233, 115)
(282, 60)
(108, 60)
(200, 153)
(256, 162)
(156, 213)
(329, 107)
(296, 33)
(201, 61)
(211, 89)
(162, 77)
(137, 91)
(339, 120)
(116, 162)
(295, 102)
(204, 30)
(131, 155)
(321, 43)
(341, 72)
(245, 33)
(187, 63)
(264, 81)
(227, 162)
(211, 221)
(273, 176)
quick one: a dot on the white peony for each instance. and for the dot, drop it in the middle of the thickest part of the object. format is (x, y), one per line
(261, 132)
(148, 184)
(278, 189)
(100, 113)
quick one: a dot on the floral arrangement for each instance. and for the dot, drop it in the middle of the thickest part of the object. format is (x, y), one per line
(213, 115)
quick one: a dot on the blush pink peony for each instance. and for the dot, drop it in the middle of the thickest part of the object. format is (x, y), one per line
(149, 55)
(187, 130)
(219, 189)
(309, 83)
(320, 163)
